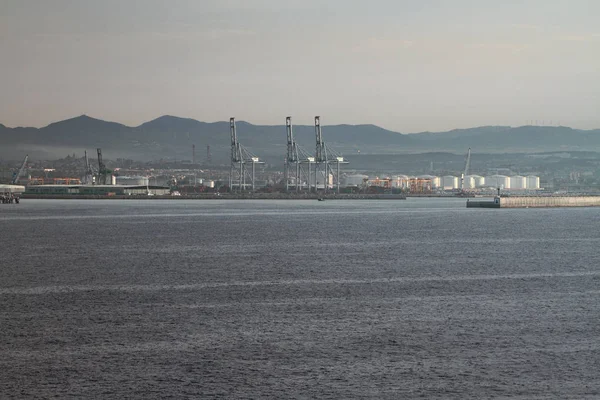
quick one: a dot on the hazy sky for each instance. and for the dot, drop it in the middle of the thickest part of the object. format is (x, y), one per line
(405, 65)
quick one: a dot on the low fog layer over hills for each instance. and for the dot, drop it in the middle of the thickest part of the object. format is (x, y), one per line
(172, 137)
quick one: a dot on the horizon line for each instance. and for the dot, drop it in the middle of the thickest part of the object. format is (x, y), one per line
(283, 124)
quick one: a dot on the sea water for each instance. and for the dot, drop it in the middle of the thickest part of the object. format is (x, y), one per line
(298, 299)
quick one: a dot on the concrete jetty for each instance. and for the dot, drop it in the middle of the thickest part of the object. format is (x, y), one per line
(535, 202)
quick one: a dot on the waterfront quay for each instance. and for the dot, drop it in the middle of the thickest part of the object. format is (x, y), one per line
(535, 202)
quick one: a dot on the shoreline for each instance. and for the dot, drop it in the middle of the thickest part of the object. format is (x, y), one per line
(213, 196)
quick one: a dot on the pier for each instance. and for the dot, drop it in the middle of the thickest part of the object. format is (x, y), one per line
(535, 202)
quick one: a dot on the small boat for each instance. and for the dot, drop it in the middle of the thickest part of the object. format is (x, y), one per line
(321, 199)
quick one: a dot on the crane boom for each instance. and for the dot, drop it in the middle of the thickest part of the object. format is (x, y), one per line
(103, 172)
(87, 163)
(292, 155)
(468, 162)
(89, 173)
(18, 174)
(467, 168)
(236, 155)
(319, 156)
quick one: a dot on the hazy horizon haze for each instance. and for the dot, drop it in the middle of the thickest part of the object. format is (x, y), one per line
(407, 66)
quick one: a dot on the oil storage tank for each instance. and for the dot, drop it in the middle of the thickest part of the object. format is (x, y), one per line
(518, 182)
(478, 181)
(495, 181)
(449, 182)
(132, 180)
(533, 182)
(469, 182)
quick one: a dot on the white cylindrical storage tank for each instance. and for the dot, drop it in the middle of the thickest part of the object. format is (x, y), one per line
(491, 181)
(469, 182)
(533, 182)
(132, 180)
(355, 180)
(501, 181)
(479, 181)
(518, 182)
(449, 182)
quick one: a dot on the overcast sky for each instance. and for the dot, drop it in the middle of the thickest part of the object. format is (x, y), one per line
(408, 65)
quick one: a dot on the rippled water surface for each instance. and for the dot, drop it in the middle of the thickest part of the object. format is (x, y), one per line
(298, 299)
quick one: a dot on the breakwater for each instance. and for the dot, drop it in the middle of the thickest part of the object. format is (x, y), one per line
(536, 202)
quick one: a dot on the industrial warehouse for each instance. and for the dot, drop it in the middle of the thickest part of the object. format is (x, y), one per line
(98, 190)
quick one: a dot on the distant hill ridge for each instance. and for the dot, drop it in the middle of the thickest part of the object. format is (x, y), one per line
(171, 136)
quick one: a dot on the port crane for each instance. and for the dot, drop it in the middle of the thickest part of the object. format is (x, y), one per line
(89, 173)
(296, 157)
(240, 156)
(466, 172)
(103, 172)
(325, 156)
(17, 175)
(10, 193)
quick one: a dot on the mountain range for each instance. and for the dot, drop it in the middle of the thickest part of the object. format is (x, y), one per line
(172, 137)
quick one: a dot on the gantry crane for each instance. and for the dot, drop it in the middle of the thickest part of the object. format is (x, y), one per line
(295, 159)
(103, 172)
(240, 156)
(324, 156)
(89, 173)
